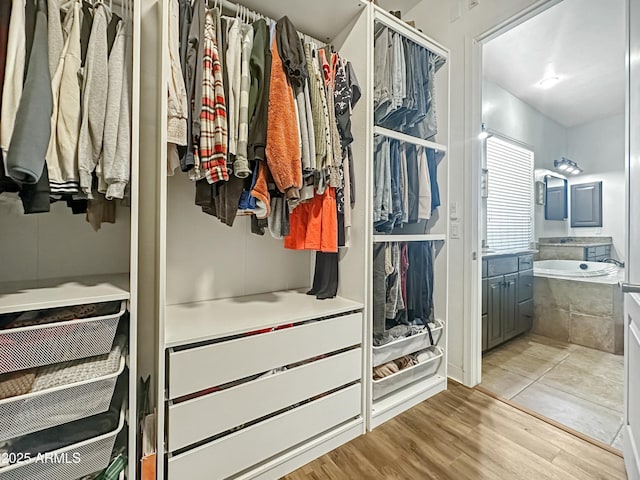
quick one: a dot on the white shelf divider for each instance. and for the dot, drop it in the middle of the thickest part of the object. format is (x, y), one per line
(61, 292)
(403, 137)
(410, 238)
(204, 321)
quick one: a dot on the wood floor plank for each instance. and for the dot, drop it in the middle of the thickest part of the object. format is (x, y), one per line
(463, 434)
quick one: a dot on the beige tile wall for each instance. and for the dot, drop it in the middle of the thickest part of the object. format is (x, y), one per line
(583, 313)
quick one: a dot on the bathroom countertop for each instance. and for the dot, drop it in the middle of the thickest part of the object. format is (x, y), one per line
(508, 253)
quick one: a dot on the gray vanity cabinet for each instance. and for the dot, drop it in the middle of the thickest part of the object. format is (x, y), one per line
(507, 299)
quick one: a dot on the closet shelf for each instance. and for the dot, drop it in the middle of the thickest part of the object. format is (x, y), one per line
(400, 26)
(409, 238)
(322, 20)
(204, 321)
(403, 137)
(62, 292)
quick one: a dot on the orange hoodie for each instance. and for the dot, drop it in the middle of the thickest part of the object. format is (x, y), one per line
(283, 135)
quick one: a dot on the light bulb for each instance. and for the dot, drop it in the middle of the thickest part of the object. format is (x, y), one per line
(549, 82)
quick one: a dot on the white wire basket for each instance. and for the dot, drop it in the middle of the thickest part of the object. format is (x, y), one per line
(400, 379)
(38, 345)
(406, 345)
(69, 463)
(37, 411)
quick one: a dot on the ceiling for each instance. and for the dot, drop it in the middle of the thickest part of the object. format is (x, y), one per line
(580, 41)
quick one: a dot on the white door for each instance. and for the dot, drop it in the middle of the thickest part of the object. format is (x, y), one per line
(632, 287)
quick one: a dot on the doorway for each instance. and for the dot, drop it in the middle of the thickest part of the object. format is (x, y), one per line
(552, 219)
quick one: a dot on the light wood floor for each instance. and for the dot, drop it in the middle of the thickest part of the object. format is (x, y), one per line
(463, 434)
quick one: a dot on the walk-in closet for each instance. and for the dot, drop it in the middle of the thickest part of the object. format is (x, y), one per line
(68, 239)
(227, 226)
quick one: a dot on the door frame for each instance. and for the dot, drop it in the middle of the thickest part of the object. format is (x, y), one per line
(631, 301)
(473, 155)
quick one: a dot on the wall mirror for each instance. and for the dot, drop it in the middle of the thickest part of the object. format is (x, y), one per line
(556, 204)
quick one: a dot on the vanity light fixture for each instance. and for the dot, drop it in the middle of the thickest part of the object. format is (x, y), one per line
(567, 166)
(485, 133)
(549, 82)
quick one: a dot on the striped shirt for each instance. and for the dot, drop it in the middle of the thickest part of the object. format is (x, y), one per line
(213, 117)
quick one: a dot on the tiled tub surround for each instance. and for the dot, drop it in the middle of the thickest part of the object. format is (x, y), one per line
(574, 248)
(584, 311)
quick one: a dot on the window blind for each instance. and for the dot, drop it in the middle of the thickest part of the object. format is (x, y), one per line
(511, 194)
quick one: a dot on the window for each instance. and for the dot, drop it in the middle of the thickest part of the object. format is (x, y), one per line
(510, 201)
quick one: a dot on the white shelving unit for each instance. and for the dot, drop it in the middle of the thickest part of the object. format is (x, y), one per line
(415, 387)
(54, 260)
(247, 303)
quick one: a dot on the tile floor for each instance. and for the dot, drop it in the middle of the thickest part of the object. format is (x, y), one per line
(577, 386)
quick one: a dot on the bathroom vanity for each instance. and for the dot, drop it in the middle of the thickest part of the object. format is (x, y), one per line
(507, 296)
(590, 249)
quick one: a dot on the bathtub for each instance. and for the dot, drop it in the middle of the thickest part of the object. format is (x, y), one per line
(579, 305)
(574, 269)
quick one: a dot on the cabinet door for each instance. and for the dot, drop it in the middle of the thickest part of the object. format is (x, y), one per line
(485, 296)
(485, 332)
(510, 307)
(525, 285)
(494, 312)
(525, 316)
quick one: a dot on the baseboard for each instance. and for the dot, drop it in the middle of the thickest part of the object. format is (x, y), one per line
(456, 373)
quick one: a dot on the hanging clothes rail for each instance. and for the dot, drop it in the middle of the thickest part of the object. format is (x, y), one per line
(240, 9)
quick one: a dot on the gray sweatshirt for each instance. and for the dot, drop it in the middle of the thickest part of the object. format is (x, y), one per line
(116, 172)
(94, 104)
(112, 114)
(26, 156)
(13, 80)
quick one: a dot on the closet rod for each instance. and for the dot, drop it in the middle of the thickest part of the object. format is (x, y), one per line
(234, 8)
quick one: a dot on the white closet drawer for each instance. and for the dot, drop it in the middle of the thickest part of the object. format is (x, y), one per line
(407, 345)
(199, 368)
(243, 449)
(253, 400)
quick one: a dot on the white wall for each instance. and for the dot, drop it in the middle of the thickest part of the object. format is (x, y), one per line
(516, 119)
(598, 148)
(508, 115)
